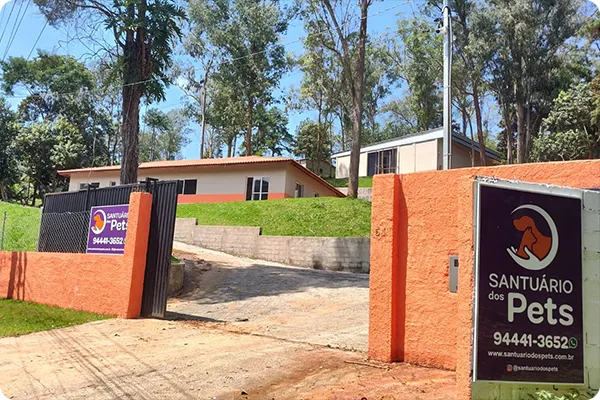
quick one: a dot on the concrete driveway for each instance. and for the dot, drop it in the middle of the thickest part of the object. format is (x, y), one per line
(265, 298)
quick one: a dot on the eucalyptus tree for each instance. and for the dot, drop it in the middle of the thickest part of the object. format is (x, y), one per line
(330, 19)
(526, 43)
(144, 33)
(245, 35)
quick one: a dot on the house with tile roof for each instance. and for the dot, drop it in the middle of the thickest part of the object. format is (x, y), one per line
(215, 180)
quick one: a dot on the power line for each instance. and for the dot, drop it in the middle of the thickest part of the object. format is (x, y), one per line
(12, 38)
(222, 62)
(8, 20)
(36, 40)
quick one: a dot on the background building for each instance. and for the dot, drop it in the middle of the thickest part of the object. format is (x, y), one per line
(219, 179)
(421, 152)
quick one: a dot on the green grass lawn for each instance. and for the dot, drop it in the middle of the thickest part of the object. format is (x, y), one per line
(22, 227)
(365, 181)
(321, 216)
(19, 318)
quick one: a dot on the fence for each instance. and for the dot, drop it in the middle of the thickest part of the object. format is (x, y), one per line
(64, 227)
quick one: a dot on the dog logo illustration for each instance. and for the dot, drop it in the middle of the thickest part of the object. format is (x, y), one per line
(99, 222)
(536, 250)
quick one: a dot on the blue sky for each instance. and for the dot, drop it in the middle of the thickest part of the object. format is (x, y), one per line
(384, 15)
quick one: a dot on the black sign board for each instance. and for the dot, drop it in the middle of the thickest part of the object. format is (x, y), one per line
(529, 304)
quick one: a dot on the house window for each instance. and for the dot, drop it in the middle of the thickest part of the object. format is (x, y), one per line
(382, 162)
(317, 195)
(84, 185)
(189, 186)
(257, 188)
(299, 191)
(113, 183)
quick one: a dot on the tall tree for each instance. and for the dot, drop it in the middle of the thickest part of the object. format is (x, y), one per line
(144, 32)
(56, 87)
(8, 131)
(165, 136)
(418, 62)
(157, 123)
(312, 143)
(247, 36)
(572, 131)
(329, 15)
(524, 40)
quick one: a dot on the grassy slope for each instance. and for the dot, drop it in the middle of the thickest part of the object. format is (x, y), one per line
(322, 216)
(22, 226)
(20, 318)
(365, 181)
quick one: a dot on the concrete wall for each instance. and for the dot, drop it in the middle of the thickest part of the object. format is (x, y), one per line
(335, 254)
(418, 220)
(219, 183)
(363, 193)
(103, 284)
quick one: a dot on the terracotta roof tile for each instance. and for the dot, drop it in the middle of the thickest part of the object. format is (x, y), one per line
(186, 163)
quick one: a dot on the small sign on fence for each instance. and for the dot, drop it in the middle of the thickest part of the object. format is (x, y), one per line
(107, 229)
(529, 311)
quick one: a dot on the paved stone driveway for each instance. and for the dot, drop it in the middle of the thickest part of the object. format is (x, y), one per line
(265, 298)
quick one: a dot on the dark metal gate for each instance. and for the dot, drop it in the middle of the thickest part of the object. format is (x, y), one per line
(69, 206)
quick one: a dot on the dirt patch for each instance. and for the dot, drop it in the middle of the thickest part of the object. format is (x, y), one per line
(332, 378)
(152, 360)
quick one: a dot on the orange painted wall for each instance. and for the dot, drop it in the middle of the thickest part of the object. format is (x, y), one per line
(413, 316)
(102, 284)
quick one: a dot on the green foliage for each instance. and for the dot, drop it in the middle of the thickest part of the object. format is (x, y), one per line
(246, 38)
(572, 395)
(417, 61)
(8, 162)
(272, 136)
(22, 227)
(20, 318)
(571, 130)
(166, 135)
(363, 181)
(313, 143)
(322, 216)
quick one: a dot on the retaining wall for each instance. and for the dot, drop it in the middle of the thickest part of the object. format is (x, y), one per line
(363, 193)
(335, 254)
(104, 284)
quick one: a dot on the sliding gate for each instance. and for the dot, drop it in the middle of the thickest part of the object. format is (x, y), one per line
(66, 216)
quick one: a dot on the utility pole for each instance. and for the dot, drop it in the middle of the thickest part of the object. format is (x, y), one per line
(447, 32)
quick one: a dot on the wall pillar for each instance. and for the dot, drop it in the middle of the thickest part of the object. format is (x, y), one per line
(387, 282)
(136, 248)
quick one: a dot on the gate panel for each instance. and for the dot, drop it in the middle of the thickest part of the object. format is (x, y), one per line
(160, 247)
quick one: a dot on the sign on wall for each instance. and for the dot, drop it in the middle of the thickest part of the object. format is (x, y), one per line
(107, 229)
(529, 307)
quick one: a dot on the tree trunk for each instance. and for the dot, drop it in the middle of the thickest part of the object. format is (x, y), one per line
(249, 126)
(136, 68)
(130, 133)
(510, 157)
(203, 129)
(357, 101)
(479, 123)
(521, 134)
